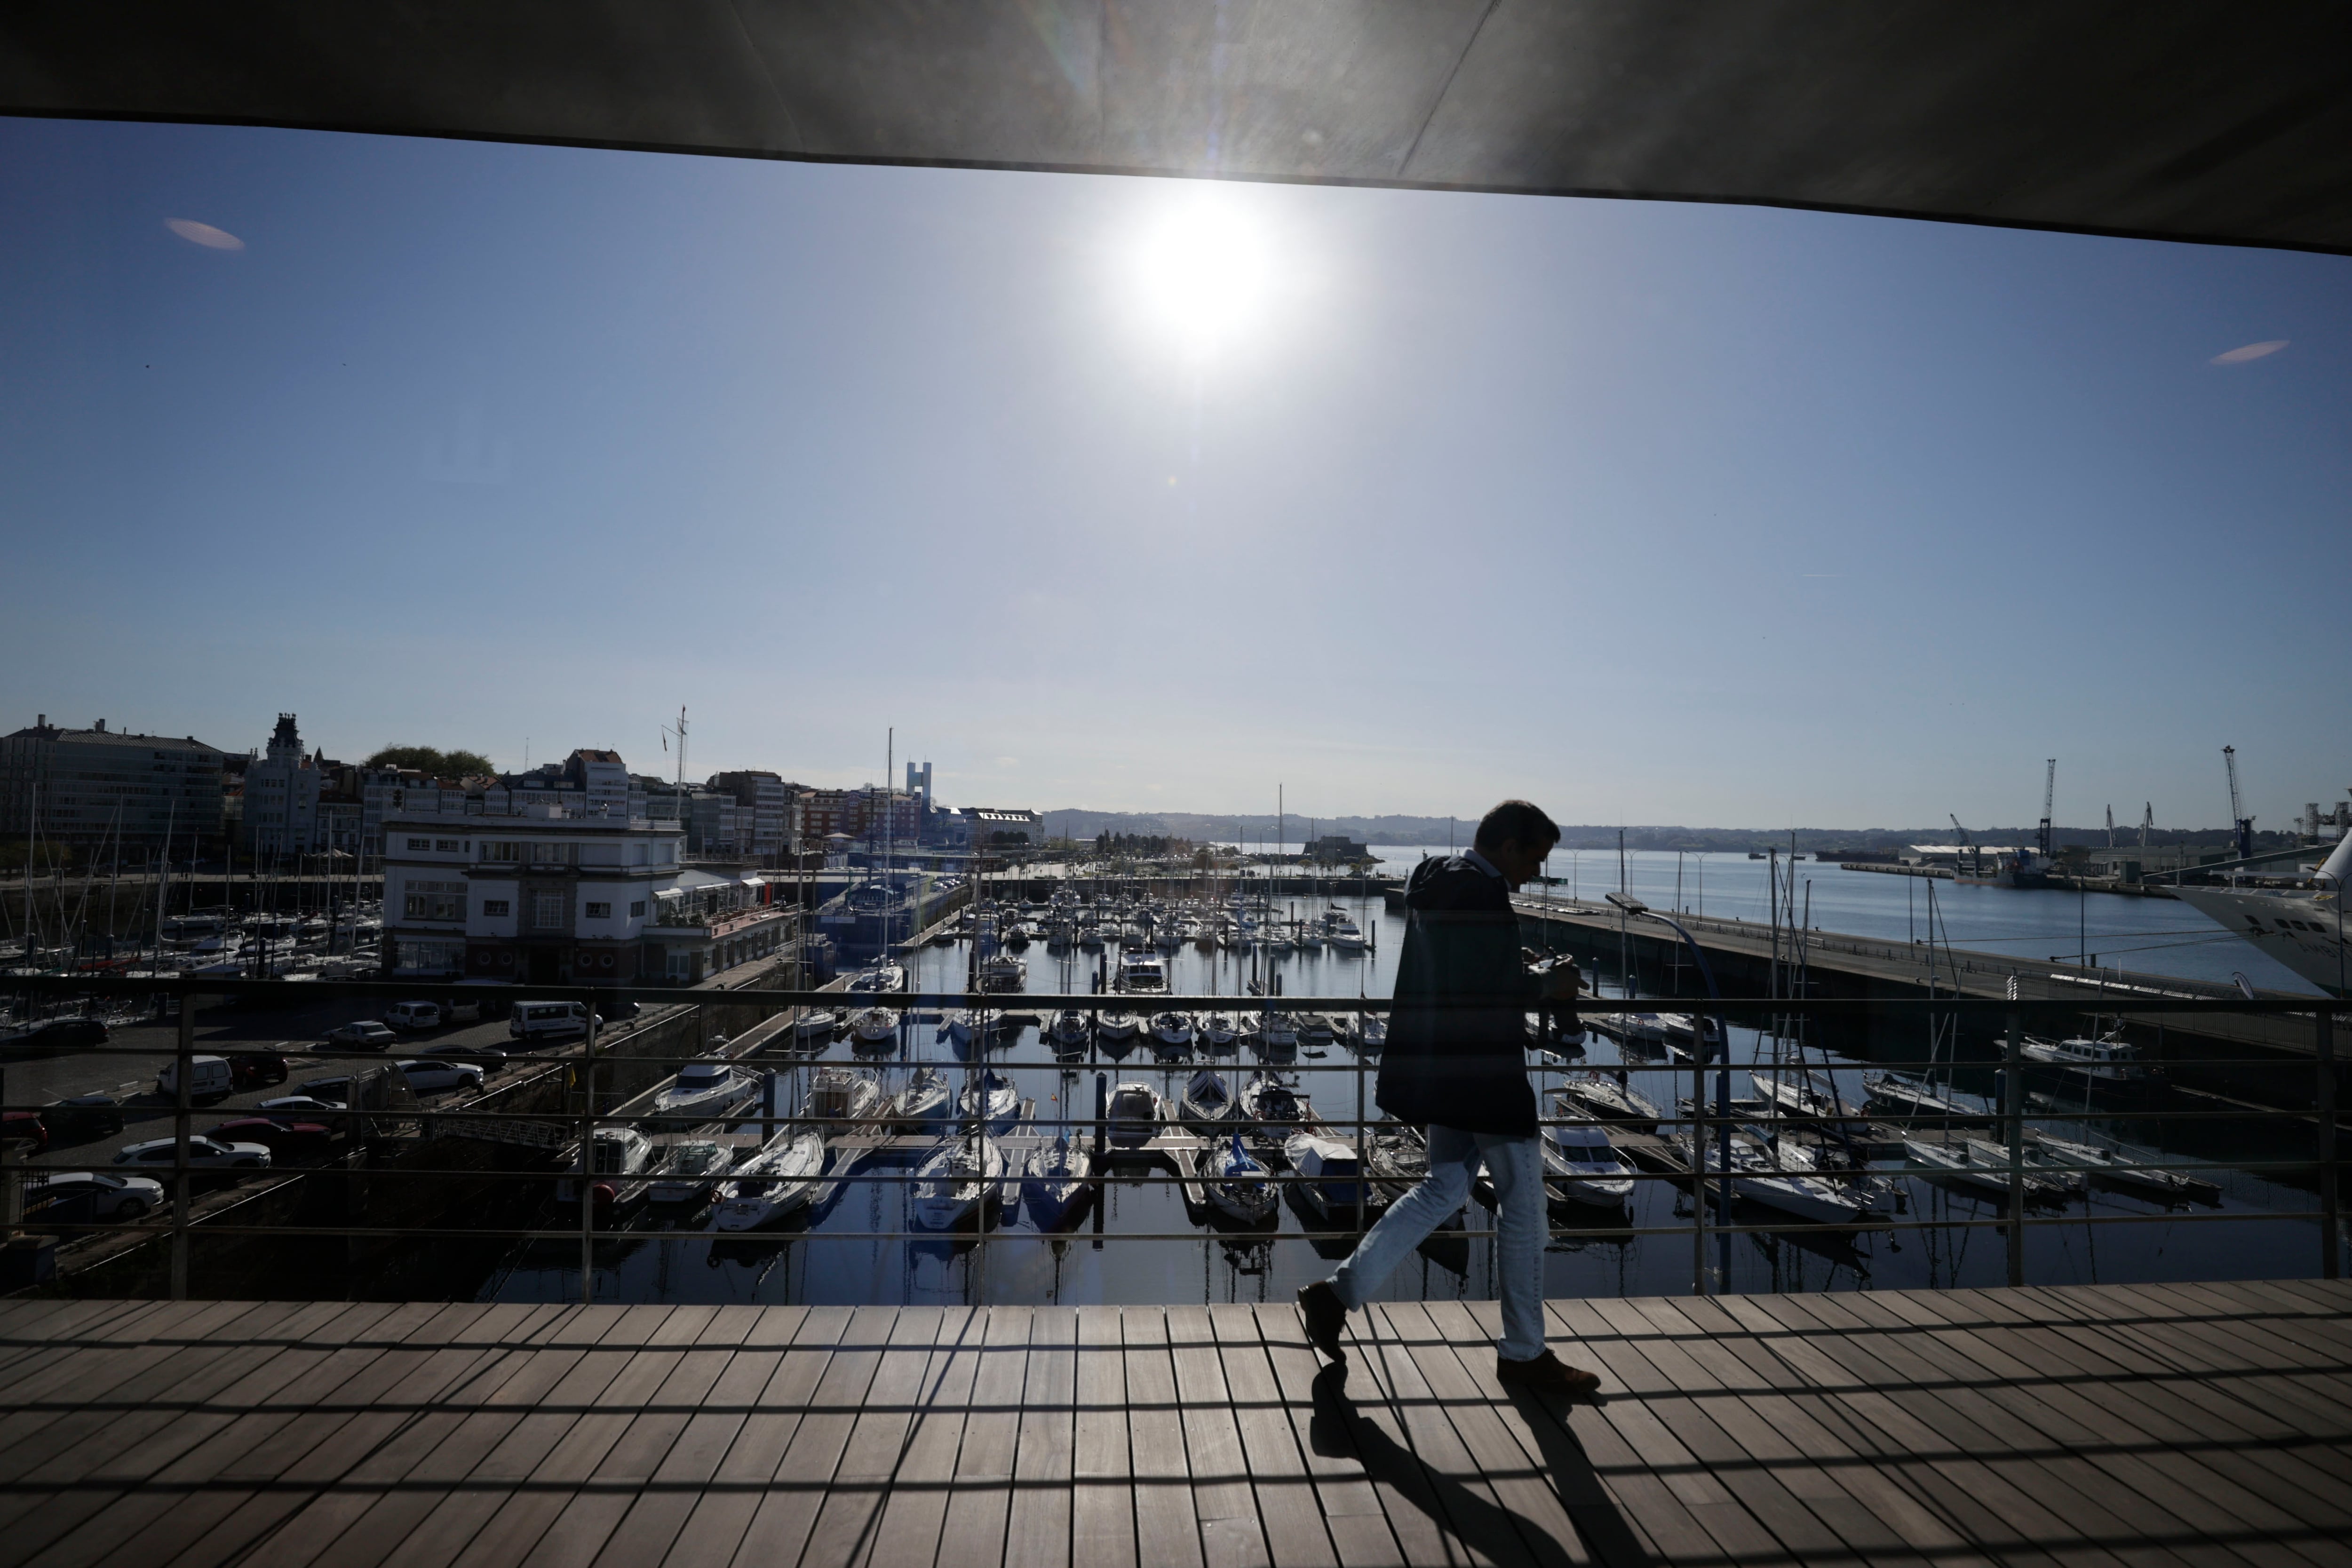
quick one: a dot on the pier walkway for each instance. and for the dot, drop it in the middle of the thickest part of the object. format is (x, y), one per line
(2160, 1424)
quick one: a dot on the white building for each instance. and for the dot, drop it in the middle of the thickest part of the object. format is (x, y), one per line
(281, 796)
(547, 896)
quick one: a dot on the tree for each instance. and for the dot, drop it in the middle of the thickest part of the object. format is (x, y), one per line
(425, 760)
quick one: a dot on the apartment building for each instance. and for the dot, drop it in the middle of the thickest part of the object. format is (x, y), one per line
(100, 787)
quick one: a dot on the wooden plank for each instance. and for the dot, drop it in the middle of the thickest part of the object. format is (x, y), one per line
(980, 1506)
(1287, 1506)
(1165, 1527)
(1102, 1488)
(876, 1439)
(753, 1455)
(778, 1526)
(1039, 1529)
(1224, 1498)
(655, 1518)
(1478, 1526)
(907, 1529)
(1351, 1502)
(1443, 1344)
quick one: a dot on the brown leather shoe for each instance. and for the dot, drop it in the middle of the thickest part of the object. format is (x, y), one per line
(1547, 1373)
(1325, 1315)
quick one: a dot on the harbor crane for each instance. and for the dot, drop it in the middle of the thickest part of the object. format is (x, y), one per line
(1976, 856)
(2049, 795)
(2147, 822)
(2239, 821)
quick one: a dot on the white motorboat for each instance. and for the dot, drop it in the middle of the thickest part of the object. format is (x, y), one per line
(1208, 1102)
(1272, 1106)
(955, 1027)
(1981, 1166)
(1069, 1034)
(816, 1025)
(1140, 973)
(1331, 1179)
(878, 978)
(703, 1093)
(874, 1030)
(2103, 1061)
(956, 1182)
(927, 1103)
(1583, 1166)
(1171, 1037)
(774, 1181)
(684, 1173)
(1116, 1031)
(2302, 928)
(991, 1101)
(1806, 1097)
(1372, 1033)
(1002, 972)
(1056, 1184)
(618, 1160)
(1135, 1114)
(839, 1098)
(1218, 1034)
(1235, 1184)
(1277, 1038)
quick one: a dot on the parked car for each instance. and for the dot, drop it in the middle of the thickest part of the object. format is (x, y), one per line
(53, 1034)
(204, 1154)
(413, 1014)
(24, 1126)
(432, 1075)
(81, 1118)
(209, 1078)
(367, 1035)
(488, 1058)
(256, 1069)
(284, 1140)
(108, 1196)
(311, 1106)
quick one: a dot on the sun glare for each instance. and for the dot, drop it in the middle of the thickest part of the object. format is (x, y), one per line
(1203, 274)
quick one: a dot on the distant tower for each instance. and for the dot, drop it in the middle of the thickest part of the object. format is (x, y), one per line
(919, 784)
(285, 742)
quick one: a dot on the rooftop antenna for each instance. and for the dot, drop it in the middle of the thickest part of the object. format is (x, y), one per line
(680, 730)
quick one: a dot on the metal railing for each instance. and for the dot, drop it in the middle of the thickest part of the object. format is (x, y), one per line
(590, 1075)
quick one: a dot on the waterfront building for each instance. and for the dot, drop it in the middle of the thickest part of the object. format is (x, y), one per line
(281, 796)
(1337, 849)
(768, 800)
(994, 827)
(88, 786)
(867, 815)
(712, 827)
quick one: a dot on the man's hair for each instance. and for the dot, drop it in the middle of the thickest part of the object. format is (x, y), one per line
(1520, 822)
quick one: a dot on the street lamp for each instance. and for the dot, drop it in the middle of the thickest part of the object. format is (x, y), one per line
(1635, 908)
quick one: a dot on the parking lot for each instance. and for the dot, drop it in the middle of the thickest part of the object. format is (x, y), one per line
(127, 1068)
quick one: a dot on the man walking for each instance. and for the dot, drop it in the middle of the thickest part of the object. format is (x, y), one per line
(1456, 1063)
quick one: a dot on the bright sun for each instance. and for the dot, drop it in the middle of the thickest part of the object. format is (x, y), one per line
(1203, 275)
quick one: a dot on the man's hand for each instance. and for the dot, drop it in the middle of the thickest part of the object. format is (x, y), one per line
(1561, 983)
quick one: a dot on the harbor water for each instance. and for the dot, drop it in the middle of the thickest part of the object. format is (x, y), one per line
(1146, 1247)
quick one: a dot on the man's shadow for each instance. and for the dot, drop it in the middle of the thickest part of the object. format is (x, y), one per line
(1337, 1430)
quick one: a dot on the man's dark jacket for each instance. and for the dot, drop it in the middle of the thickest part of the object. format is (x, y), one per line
(1457, 1037)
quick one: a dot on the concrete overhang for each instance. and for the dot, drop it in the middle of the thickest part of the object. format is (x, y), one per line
(2217, 122)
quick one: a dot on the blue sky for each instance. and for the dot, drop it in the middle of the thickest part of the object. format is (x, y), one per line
(1139, 494)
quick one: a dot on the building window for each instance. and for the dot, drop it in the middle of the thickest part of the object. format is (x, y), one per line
(435, 907)
(637, 910)
(600, 912)
(502, 851)
(446, 846)
(555, 854)
(547, 911)
(420, 843)
(495, 907)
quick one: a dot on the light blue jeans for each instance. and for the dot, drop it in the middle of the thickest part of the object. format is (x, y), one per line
(1516, 1166)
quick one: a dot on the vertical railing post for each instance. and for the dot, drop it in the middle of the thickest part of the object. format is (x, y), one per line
(587, 1160)
(184, 1073)
(1698, 1167)
(2012, 1080)
(1363, 1160)
(2331, 1239)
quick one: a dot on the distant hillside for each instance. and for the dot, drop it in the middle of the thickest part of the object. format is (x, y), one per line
(1078, 822)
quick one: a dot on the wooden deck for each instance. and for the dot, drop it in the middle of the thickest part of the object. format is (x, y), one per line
(2151, 1424)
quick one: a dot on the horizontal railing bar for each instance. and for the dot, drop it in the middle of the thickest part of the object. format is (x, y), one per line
(2093, 1002)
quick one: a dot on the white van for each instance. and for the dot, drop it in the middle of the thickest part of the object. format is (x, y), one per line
(528, 1019)
(413, 1014)
(208, 1079)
